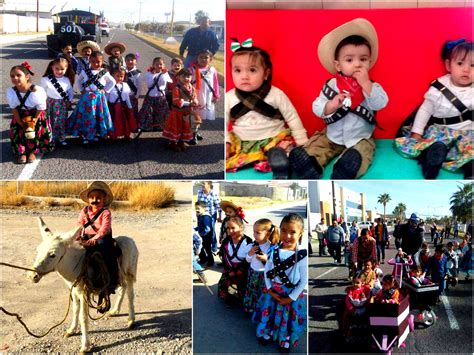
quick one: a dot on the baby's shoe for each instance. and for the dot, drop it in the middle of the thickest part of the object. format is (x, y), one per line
(347, 165)
(305, 165)
(279, 163)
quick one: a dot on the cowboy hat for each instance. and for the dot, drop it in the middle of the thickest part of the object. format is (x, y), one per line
(225, 204)
(360, 27)
(98, 185)
(108, 48)
(84, 44)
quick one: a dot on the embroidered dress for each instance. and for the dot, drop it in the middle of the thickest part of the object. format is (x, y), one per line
(179, 123)
(263, 120)
(91, 117)
(135, 84)
(155, 110)
(59, 92)
(256, 279)
(283, 323)
(458, 137)
(121, 111)
(43, 140)
(231, 288)
(208, 92)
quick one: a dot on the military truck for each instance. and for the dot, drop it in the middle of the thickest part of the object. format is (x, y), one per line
(72, 27)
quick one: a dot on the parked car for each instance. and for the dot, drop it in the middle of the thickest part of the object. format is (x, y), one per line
(364, 224)
(104, 27)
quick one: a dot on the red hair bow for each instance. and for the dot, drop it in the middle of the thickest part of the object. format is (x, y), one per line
(27, 66)
(240, 212)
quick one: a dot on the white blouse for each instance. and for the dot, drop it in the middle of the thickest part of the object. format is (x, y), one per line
(52, 93)
(107, 80)
(112, 95)
(255, 126)
(352, 128)
(37, 99)
(256, 264)
(241, 253)
(436, 104)
(137, 81)
(297, 274)
(165, 78)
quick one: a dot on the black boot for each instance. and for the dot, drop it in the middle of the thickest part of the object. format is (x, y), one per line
(305, 165)
(279, 163)
(432, 158)
(467, 168)
(347, 166)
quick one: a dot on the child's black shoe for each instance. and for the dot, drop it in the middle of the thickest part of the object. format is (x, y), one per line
(432, 159)
(304, 165)
(264, 341)
(192, 142)
(347, 166)
(279, 163)
(199, 137)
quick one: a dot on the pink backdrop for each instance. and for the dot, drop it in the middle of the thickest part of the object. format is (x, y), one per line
(409, 59)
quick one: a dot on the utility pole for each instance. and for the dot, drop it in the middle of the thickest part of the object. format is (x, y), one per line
(37, 15)
(172, 20)
(140, 16)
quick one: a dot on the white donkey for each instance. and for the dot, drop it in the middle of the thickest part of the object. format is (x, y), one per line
(61, 253)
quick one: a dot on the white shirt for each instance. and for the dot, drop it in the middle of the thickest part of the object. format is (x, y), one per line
(112, 95)
(297, 274)
(256, 264)
(352, 128)
(437, 105)
(241, 253)
(321, 228)
(137, 81)
(150, 77)
(107, 80)
(254, 126)
(51, 91)
(205, 96)
(36, 99)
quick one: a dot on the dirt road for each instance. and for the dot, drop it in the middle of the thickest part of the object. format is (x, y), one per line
(163, 295)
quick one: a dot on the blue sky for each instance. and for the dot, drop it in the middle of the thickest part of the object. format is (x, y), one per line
(424, 197)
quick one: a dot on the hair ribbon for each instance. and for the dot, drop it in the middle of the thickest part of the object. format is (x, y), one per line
(245, 44)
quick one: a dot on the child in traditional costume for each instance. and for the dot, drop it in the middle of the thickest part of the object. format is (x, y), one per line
(281, 309)
(91, 118)
(259, 116)
(115, 51)
(134, 80)
(347, 104)
(176, 66)
(58, 81)
(30, 129)
(389, 292)
(442, 131)
(85, 49)
(357, 296)
(265, 234)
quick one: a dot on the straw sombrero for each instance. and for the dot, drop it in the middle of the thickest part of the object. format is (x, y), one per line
(84, 44)
(360, 27)
(225, 204)
(98, 185)
(111, 45)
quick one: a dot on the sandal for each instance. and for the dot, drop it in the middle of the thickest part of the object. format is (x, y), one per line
(31, 158)
(21, 159)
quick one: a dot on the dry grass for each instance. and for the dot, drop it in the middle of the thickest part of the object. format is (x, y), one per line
(218, 61)
(133, 194)
(151, 196)
(8, 195)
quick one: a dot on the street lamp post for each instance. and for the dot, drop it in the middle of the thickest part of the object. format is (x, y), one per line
(37, 15)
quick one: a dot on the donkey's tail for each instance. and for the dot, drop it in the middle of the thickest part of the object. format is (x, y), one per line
(129, 257)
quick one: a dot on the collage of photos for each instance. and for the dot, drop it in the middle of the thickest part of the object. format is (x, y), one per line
(236, 176)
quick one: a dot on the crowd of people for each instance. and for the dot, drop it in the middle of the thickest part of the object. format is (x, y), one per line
(176, 100)
(364, 253)
(264, 276)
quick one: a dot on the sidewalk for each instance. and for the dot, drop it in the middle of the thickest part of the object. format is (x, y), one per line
(20, 37)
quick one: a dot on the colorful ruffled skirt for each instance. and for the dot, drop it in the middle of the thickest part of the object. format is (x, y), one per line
(255, 286)
(56, 112)
(232, 288)
(243, 153)
(281, 323)
(153, 114)
(42, 143)
(459, 143)
(91, 117)
(178, 127)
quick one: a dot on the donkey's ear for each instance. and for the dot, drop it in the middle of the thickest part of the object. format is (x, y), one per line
(68, 237)
(44, 230)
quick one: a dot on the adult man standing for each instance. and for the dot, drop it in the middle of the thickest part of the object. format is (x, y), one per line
(381, 237)
(198, 39)
(345, 228)
(335, 241)
(354, 232)
(321, 230)
(412, 235)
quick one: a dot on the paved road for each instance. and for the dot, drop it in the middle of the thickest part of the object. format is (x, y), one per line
(148, 158)
(326, 288)
(217, 329)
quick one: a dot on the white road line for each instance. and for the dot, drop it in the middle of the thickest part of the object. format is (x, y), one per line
(32, 50)
(325, 273)
(29, 169)
(453, 323)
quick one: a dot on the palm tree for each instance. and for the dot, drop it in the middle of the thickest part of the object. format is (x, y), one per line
(383, 200)
(461, 203)
(400, 210)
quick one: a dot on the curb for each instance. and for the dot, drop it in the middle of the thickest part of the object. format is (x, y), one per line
(172, 54)
(8, 39)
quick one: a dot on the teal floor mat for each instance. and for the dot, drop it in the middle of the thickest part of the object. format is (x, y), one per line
(387, 165)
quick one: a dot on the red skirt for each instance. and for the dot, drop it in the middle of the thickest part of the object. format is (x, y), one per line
(178, 127)
(123, 119)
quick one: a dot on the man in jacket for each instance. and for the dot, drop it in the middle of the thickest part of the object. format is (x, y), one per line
(335, 235)
(412, 235)
(381, 237)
